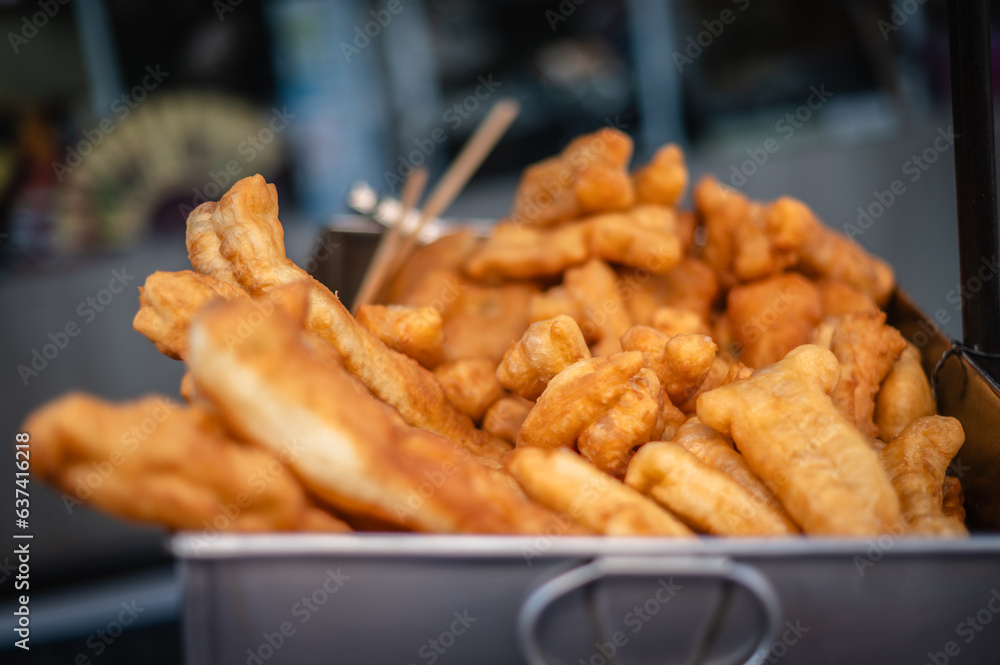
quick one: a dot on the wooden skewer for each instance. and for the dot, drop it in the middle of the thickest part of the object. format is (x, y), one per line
(468, 161)
(389, 245)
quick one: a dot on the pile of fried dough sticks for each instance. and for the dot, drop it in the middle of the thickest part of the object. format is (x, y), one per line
(604, 363)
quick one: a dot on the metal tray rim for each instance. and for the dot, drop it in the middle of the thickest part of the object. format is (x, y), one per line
(195, 546)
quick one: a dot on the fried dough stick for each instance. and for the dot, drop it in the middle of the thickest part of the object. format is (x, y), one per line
(608, 441)
(252, 241)
(169, 300)
(681, 363)
(594, 286)
(504, 417)
(664, 179)
(353, 451)
(866, 349)
(167, 464)
(916, 462)
(575, 398)
(905, 395)
(793, 438)
(717, 452)
(561, 481)
(704, 498)
(590, 175)
(417, 332)
(471, 385)
(545, 349)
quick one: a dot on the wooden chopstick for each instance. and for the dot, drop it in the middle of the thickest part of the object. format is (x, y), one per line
(468, 161)
(390, 243)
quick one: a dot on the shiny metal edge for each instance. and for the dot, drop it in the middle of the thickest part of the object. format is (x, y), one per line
(195, 546)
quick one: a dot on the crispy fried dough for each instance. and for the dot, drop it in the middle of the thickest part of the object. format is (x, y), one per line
(168, 464)
(681, 362)
(594, 286)
(718, 452)
(916, 462)
(575, 398)
(504, 417)
(561, 481)
(246, 221)
(644, 237)
(866, 349)
(470, 384)
(486, 320)
(352, 450)
(704, 498)
(589, 176)
(545, 349)
(793, 438)
(839, 299)
(607, 442)
(447, 253)
(953, 499)
(169, 300)
(417, 332)
(691, 285)
(772, 316)
(203, 245)
(519, 251)
(904, 396)
(663, 180)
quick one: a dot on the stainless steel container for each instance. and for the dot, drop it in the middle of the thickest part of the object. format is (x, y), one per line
(401, 598)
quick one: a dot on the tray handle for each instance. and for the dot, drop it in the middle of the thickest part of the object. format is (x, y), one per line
(720, 568)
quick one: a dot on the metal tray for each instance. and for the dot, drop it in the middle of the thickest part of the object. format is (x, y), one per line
(400, 598)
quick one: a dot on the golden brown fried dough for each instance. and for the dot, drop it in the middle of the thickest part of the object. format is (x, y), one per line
(575, 398)
(417, 332)
(771, 317)
(644, 237)
(203, 245)
(916, 462)
(828, 253)
(154, 461)
(561, 481)
(672, 322)
(504, 417)
(486, 320)
(554, 302)
(169, 300)
(669, 420)
(605, 317)
(589, 176)
(520, 251)
(438, 288)
(793, 438)
(718, 452)
(545, 349)
(353, 451)
(246, 221)
(904, 396)
(840, 299)
(747, 240)
(953, 499)
(691, 286)
(447, 253)
(681, 362)
(608, 441)
(471, 385)
(664, 179)
(866, 349)
(704, 498)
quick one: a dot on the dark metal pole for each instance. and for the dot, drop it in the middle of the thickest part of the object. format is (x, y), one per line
(975, 172)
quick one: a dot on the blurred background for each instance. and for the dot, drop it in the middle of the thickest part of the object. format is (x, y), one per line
(117, 118)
